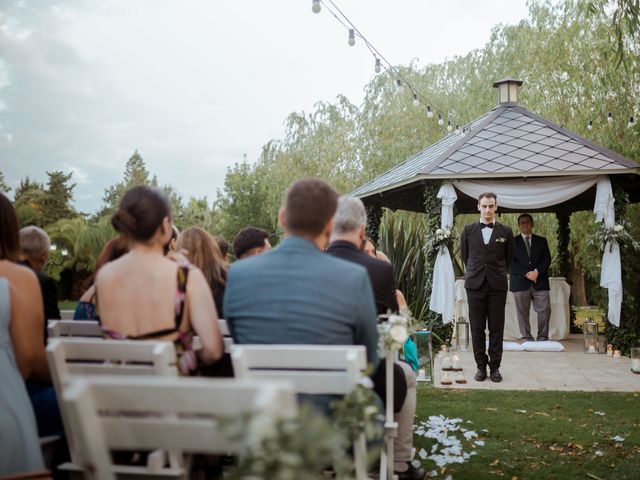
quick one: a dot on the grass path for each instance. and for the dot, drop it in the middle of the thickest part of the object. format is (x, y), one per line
(539, 434)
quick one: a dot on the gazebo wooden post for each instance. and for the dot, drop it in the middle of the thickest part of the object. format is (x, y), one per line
(564, 236)
(374, 216)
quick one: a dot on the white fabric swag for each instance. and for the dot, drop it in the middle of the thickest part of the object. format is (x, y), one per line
(529, 194)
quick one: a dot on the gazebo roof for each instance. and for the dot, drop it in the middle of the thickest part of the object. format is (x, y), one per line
(509, 141)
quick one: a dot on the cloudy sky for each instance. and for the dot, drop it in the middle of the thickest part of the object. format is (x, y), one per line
(195, 85)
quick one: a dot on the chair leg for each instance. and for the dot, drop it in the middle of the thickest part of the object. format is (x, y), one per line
(360, 457)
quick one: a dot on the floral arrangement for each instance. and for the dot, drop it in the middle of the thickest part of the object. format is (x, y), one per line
(619, 233)
(442, 237)
(357, 413)
(394, 330)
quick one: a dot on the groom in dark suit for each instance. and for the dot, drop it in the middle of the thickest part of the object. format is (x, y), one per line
(487, 249)
(529, 280)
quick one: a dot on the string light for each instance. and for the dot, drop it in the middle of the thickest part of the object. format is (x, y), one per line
(315, 6)
(378, 67)
(449, 127)
(399, 86)
(631, 122)
(440, 121)
(429, 112)
(590, 126)
(609, 119)
(416, 102)
(352, 37)
(457, 129)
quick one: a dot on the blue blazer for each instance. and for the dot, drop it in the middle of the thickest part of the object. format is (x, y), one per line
(295, 294)
(521, 264)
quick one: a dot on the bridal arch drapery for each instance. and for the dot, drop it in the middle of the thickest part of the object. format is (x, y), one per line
(525, 194)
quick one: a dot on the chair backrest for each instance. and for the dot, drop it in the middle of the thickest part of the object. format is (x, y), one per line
(313, 369)
(70, 357)
(175, 414)
(73, 328)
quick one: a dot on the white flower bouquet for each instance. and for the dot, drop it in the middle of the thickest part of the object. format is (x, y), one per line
(440, 238)
(619, 233)
(394, 331)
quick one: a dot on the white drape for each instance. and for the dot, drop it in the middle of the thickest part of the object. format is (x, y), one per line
(611, 271)
(531, 193)
(443, 289)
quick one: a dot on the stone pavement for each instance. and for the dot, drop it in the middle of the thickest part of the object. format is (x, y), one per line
(570, 370)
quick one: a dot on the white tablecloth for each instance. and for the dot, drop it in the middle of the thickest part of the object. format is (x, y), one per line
(558, 324)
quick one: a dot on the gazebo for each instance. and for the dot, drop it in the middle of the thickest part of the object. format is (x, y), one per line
(532, 164)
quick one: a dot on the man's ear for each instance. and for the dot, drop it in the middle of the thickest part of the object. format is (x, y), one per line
(361, 234)
(479, 209)
(281, 219)
(328, 228)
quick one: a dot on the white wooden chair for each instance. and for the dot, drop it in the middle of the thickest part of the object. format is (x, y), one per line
(70, 357)
(226, 334)
(176, 414)
(313, 369)
(73, 328)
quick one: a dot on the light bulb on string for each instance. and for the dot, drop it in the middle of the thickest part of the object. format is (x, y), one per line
(416, 102)
(449, 127)
(429, 112)
(609, 119)
(457, 129)
(378, 67)
(352, 37)
(315, 6)
(399, 86)
(440, 121)
(590, 125)
(631, 122)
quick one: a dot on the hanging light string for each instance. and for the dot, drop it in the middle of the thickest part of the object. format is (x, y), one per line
(382, 62)
(400, 80)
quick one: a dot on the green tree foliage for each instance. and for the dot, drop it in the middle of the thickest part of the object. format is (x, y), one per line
(28, 200)
(4, 186)
(58, 197)
(197, 212)
(135, 173)
(625, 23)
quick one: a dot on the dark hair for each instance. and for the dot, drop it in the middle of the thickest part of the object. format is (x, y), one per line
(248, 238)
(488, 195)
(203, 252)
(525, 215)
(141, 212)
(112, 250)
(223, 245)
(9, 228)
(309, 205)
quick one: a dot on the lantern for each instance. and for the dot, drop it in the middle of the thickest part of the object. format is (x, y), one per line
(635, 360)
(461, 334)
(590, 331)
(422, 339)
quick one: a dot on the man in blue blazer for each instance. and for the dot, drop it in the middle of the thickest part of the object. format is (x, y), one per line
(294, 293)
(529, 280)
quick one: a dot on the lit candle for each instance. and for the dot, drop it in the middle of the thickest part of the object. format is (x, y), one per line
(617, 354)
(456, 363)
(446, 363)
(421, 374)
(445, 380)
(610, 350)
(635, 365)
(460, 378)
(592, 348)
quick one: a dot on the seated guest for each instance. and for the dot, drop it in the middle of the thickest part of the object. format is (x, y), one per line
(294, 294)
(223, 245)
(250, 241)
(201, 250)
(170, 246)
(22, 353)
(34, 253)
(348, 234)
(113, 249)
(145, 295)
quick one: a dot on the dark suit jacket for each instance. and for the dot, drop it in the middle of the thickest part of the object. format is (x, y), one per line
(521, 264)
(49, 297)
(491, 261)
(380, 272)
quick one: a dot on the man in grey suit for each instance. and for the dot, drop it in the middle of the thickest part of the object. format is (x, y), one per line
(529, 280)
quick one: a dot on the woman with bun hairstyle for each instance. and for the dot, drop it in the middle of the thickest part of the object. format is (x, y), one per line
(144, 295)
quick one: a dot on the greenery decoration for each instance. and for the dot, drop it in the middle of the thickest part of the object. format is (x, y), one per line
(618, 233)
(358, 412)
(442, 237)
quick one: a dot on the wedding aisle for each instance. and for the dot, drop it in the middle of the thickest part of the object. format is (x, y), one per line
(570, 370)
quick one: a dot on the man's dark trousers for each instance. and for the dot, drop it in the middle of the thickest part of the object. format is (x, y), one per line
(486, 305)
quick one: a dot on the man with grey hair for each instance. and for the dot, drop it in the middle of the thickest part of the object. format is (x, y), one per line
(347, 242)
(34, 253)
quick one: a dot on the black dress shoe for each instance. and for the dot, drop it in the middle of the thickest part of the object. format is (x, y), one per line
(411, 473)
(495, 376)
(481, 375)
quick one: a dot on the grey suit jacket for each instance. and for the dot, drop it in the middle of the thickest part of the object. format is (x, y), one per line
(294, 294)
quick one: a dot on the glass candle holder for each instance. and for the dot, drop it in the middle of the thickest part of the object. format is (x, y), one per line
(590, 332)
(635, 360)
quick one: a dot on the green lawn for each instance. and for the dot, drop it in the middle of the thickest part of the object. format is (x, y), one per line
(67, 305)
(556, 438)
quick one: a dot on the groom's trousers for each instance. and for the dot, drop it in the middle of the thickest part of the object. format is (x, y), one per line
(486, 307)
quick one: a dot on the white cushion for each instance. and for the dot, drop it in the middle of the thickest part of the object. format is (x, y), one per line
(547, 346)
(509, 346)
